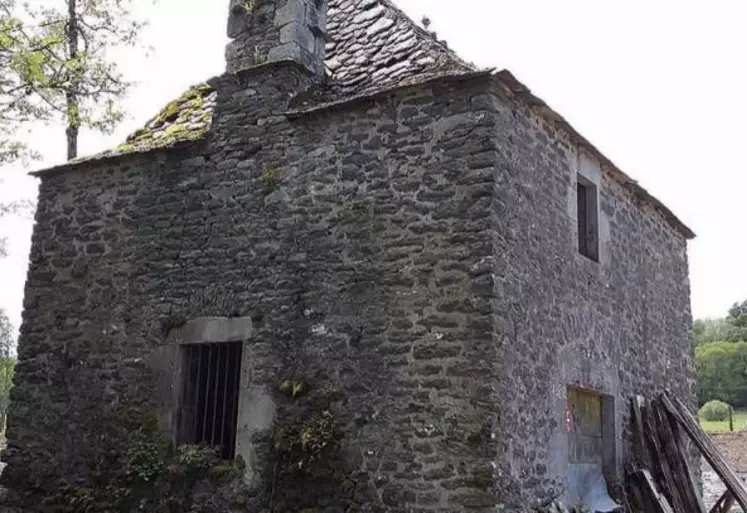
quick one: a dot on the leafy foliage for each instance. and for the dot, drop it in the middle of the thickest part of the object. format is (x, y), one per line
(6, 335)
(299, 446)
(718, 330)
(145, 472)
(7, 362)
(19, 207)
(56, 65)
(715, 410)
(722, 372)
(721, 357)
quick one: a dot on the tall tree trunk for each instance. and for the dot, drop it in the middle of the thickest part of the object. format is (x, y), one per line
(73, 108)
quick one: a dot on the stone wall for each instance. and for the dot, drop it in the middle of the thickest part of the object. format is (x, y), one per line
(360, 243)
(410, 258)
(619, 327)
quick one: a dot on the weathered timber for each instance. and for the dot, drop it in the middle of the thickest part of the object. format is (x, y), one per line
(724, 503)
(656, 498)
(671, 486)
(707, 449)
(678, 462)
(644, 459)
(683, 450)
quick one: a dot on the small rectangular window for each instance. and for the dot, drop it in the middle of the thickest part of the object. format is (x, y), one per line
(587, 216)
(209, 402)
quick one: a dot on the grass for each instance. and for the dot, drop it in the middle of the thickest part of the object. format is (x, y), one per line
(719, 426)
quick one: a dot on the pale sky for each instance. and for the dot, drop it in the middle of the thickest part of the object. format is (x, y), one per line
(657, 85)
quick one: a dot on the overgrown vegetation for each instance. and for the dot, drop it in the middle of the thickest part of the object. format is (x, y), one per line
(306, 451)
(7, 365)
(134, 467)
(715, 411)
(147, 473)
(7, 352)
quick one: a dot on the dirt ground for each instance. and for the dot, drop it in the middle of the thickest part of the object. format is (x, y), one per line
(733, 446)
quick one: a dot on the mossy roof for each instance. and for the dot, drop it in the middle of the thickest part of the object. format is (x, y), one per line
(372, 46)
(187, 118)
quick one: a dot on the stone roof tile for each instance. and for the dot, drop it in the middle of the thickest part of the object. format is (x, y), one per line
(372, 46)
(187, 118)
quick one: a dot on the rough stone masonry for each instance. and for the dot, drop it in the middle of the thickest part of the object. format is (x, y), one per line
(391, 237)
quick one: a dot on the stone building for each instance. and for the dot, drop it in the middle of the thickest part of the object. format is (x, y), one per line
(374, 277)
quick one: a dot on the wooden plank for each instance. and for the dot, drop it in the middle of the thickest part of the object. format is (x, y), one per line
(675, 483)
(652, 444)
(642, 501)
(671, 486)
(728, 504)
(647, 482)
(678, 462)
(724, 503)
(683, 447)
(707, 449)
(685, 461)
(717, 506)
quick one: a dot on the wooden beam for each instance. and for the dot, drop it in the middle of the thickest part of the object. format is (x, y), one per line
(671, 485)
(678, 461)
(661, 504)
(724, 503)
(644, 459)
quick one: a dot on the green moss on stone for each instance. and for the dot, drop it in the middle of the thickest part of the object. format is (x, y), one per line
(170, 125)
(125, 148)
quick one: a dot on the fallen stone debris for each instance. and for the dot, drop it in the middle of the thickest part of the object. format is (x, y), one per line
(661, 478)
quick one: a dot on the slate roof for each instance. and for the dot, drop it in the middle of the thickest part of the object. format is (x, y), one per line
(372, 46)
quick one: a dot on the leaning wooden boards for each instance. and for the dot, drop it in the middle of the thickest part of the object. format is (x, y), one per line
(662, 479)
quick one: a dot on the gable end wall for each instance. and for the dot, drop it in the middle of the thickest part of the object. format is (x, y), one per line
(619, 327)
(360, 243)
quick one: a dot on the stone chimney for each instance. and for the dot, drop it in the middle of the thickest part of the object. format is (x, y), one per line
(264, 31)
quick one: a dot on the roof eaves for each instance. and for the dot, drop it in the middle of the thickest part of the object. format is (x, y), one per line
(521, 91)
(418, 81)
(111, 158)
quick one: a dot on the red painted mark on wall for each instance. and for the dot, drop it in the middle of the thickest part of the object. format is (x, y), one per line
(568, 420)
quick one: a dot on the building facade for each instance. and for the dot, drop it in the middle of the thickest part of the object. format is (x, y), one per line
(375, 278)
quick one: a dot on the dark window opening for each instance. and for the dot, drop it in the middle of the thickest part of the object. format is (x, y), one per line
(587, 214)
(210, 396)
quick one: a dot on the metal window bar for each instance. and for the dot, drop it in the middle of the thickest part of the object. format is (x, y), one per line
(210, 396)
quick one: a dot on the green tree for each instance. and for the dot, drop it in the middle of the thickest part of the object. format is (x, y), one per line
(722, 372)
(7, 365)
(56, 65)
(737, 320)
(710, 330)
(6, 335)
